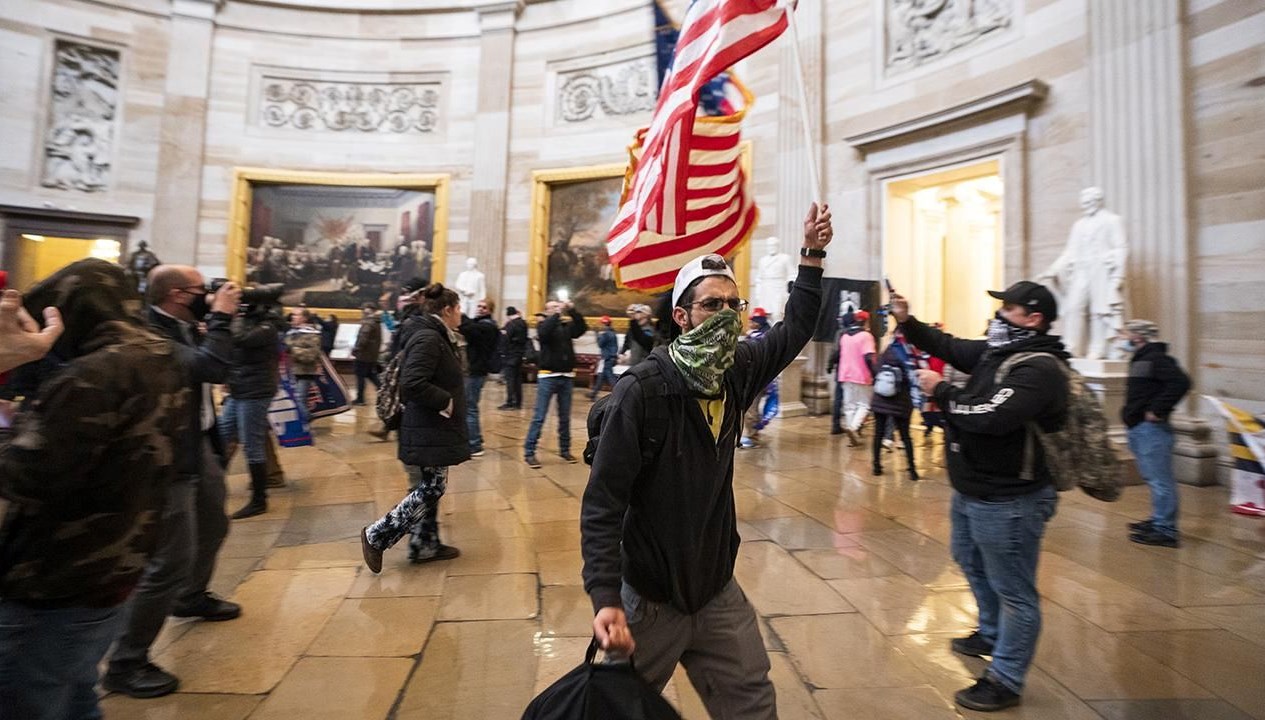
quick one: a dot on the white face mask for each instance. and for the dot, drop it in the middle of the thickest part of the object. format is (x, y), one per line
(1128, 346)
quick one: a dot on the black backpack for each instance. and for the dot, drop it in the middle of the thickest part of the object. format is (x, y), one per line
(608, 691)
(654, 389)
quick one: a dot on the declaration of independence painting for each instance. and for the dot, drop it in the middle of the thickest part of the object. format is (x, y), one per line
(338, 247)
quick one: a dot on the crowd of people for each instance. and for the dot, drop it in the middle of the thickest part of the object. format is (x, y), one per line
(113, 467)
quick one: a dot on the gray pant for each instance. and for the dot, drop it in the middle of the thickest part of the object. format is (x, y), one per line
(720, 647)
(193, 529)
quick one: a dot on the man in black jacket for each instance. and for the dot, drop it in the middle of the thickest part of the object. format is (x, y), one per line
(515, 331)
(659, 532)
(1002, 498)
(556, 377)
(194, 525)
(481, 335)
(1156, 384)
(252, 382)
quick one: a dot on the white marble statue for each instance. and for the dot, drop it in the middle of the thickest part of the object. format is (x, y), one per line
(1088, 279)
(472, 286)
(774, 272)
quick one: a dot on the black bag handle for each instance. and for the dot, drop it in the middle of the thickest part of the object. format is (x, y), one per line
(591, 654)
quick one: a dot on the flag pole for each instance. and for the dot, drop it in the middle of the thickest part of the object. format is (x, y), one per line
(809, 146)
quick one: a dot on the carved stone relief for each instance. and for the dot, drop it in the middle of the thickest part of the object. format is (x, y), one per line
(84, 106)
(622, 88)
(367, 107)
(922, 31)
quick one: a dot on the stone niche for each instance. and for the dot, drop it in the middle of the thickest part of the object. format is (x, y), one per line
(83, 111)
(918, 32)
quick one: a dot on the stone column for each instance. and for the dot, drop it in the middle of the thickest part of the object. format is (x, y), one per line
(1138, 134)
(491, 151)
(173, 236)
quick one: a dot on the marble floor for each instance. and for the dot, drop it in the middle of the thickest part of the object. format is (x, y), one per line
(850, 573)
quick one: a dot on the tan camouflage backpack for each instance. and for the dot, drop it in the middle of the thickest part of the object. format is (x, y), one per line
(1080, 454)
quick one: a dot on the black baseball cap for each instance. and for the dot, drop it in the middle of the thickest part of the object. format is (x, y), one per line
(1034, 297)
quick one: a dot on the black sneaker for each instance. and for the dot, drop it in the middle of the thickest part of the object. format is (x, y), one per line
(836, 430)
(532, 462)
(440, 552)
(876, 471)
(568, 457)
(209, 607)
(1155, 537)
(146, 681)
(973, 645)
(1142, 526)
(987, 695)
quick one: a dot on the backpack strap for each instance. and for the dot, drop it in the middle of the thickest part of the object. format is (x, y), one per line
(655, 389)
(1027, 471)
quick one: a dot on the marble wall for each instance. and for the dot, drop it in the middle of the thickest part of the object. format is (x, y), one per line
(200, 94)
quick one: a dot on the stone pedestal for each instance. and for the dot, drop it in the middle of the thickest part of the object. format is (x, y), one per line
(791, 400)
(1194, 453)
(817, 389)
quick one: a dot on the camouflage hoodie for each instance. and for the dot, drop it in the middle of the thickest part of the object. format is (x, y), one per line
(86, 470)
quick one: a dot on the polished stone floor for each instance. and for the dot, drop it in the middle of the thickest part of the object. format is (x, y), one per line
(850, 573)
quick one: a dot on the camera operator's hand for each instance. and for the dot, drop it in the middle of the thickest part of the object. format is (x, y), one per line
(928, 380)
(227, 298)
(900, 308)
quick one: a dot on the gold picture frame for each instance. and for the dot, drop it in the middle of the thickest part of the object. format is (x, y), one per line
(246, 180)
(544, 183)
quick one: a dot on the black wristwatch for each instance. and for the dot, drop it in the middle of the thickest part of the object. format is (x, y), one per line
(812, 253)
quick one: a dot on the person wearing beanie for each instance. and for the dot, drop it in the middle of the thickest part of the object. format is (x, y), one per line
(658, 527)
(1156, 384)
(515, 334)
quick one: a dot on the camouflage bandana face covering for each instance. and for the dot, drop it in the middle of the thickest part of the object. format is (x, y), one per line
(706, 352)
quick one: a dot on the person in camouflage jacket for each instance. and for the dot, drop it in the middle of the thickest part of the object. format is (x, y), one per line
(84, 477)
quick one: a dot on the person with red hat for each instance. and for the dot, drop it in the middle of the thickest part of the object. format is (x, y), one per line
(608, 345)
(851, 366)
(765, 405)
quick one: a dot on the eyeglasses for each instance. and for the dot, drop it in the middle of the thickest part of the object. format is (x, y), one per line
(718, 304)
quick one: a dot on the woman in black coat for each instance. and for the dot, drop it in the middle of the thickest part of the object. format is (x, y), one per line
(432, 431)
(893, 410)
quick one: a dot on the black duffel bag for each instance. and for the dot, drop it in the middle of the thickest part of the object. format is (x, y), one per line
(600, 691)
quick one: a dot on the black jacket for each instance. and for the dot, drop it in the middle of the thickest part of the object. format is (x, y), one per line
(900, 405)
(516, 338)
(430, 379)
(985, 422)
(205, 358)
(670, 529)
(256, 355)
(481, 335)
(1156, 384)
(557, 342)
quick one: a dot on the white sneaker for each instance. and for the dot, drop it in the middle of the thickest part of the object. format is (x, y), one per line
(477, 453)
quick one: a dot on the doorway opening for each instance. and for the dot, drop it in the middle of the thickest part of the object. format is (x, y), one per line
(35, 257)
(943, 243)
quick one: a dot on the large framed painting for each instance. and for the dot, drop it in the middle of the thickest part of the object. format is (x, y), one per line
(337, 240)
(572, 211)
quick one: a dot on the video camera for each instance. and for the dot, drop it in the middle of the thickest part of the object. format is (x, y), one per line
(252, 297)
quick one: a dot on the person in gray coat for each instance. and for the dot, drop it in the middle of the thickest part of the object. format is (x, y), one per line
(432, 433)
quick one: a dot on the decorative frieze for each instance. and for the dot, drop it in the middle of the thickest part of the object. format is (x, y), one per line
(79, 144)
(922, 31)
(623, 88)
(310, 104)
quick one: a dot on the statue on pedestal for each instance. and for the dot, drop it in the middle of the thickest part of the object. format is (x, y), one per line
(472, 286)
(1089, 280)
(139, 264)
(774, 273)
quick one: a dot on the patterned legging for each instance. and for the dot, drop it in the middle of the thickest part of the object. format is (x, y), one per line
(418, 512)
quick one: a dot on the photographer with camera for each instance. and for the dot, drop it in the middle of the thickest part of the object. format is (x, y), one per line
(194, 524)
(252, 383)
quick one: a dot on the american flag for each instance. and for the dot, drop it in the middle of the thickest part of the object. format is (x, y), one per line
(685, 193)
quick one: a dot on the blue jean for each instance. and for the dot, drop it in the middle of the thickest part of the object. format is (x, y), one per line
(997, 544)
(303, 395)
(248, 421)
(607, 375)
(546, 388)
(1152, 448)
(48, 660)
(474, 392)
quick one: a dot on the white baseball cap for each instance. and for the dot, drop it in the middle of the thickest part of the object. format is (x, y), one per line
(698, 268)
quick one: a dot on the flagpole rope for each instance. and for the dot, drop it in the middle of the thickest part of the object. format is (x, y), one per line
(809, 146)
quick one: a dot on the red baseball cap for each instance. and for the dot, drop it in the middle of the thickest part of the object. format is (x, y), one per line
(606, 319)
(759, 312)
(861, 316)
